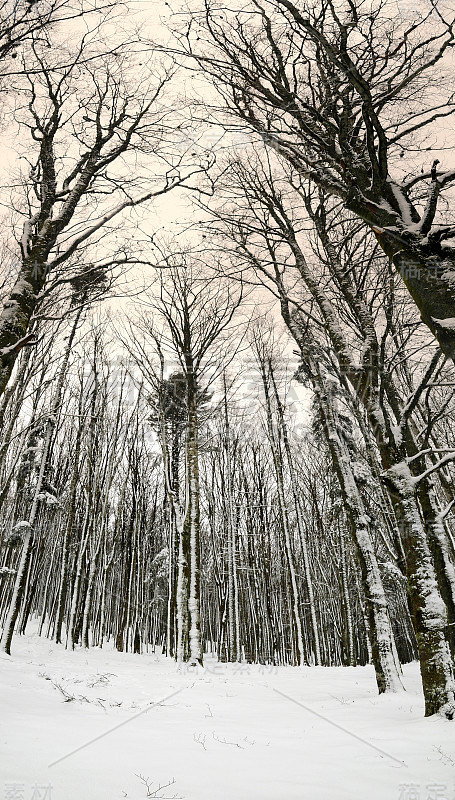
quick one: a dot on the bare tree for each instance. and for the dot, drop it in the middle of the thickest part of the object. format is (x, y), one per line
(25, 20)
(98, 568)
(262, 349)
(323, 296)
(195, 312)
(100, 142)
(347, 94)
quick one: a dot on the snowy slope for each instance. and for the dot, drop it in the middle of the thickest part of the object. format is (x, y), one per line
(226, 732)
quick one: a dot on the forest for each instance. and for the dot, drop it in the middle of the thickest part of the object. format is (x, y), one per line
(227, 337)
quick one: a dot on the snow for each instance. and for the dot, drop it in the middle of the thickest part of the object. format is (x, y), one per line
(448, 322)
(23, 525)
(48, 498)
(243, 731)
(27, 234)
(449, 276)
(403, 204)
(361, 471)
(6, 571)
(397, 434)
(391, 569)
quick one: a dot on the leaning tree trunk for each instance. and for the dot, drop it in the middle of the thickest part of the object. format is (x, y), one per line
(382, 642)
(429, 274)
(428, 609)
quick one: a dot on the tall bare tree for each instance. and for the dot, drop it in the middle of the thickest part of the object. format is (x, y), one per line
(25, 20)
(195, 312)
(100, 141)
(345, 93)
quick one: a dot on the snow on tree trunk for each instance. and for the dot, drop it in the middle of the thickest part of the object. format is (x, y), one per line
(347, 600)
(21, 577)
(382, 644)
(438, 542)
(387, 670)
(183, 585)
(428, 609)
(193, 516)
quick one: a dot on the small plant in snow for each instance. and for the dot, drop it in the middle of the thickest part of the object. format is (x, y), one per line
(201, 739)
(69, 698)
(445, 758)
(151, 792)
(96, 680)
(224, 741)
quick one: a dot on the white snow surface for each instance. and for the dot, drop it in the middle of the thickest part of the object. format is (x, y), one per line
(448, 322)
(223, 732)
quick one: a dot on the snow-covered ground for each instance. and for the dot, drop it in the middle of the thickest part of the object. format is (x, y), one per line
(229, 731)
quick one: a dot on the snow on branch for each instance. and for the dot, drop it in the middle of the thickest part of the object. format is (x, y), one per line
(441, 463)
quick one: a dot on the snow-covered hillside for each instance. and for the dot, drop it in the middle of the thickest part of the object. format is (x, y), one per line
(86, 725)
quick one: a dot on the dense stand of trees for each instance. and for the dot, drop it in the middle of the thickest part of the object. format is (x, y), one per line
(280, 578)
(144, 500)
(353, 343)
